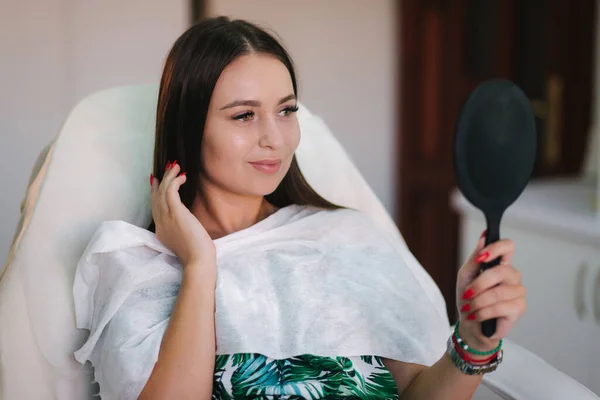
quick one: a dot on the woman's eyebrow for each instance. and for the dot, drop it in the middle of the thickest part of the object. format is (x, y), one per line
(291, 96)
(236, 103)
(255, 103)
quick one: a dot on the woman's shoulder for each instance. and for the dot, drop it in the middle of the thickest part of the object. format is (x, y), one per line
(115, 235)
(119, 258)
(340, 212)
(348, 216)
(345, 222)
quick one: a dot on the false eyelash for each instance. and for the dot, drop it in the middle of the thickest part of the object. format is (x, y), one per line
(291, 108)
(240, 117)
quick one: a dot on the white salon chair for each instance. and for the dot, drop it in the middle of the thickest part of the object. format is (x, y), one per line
(97, 169)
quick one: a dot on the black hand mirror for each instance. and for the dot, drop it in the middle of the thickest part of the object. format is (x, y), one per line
(494, 153)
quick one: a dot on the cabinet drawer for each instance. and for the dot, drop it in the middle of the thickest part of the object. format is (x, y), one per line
(594, 371)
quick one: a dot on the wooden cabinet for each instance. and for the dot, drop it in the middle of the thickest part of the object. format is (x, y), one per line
(446, 49)
(557, 242)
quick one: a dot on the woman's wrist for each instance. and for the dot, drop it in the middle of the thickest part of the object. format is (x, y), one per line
(478, 342)
(203, 270)
(472, 354)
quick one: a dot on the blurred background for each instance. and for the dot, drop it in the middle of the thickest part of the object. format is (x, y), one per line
(55, 52)
(389, 78)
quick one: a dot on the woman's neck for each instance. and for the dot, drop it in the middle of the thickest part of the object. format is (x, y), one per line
(222, 213)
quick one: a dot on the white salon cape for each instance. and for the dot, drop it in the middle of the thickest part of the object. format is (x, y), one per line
(301, 281)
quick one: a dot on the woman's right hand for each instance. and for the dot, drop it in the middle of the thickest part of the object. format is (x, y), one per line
(176, 227)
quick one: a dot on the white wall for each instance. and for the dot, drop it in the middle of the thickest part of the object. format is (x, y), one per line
(53, 53)
(345, 55)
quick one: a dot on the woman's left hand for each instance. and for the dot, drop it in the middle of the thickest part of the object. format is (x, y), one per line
(495, 293)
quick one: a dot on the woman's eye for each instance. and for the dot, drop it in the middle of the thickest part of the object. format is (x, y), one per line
(245, 117)
(288, 110)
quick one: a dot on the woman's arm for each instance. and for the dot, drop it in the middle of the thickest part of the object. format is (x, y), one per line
(494, 293)
(441, 381)
(186, 360)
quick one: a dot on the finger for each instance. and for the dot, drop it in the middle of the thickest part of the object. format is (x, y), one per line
(470, 268)
(171, 173)
(501, 274)
(173, 197)
(477, 250)
(494, 295)
(170, 169)
(480, 245)
(503, 248)
(511, 309)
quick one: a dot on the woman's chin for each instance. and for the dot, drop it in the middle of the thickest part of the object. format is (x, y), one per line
(266, 188)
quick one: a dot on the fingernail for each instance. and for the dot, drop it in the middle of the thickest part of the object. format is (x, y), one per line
(151, 179)
(168, 164)
(471, 317)
(482, 257)
(468, 294)
(182, 173)
(466, 308)
(483, 234)
(174, 163)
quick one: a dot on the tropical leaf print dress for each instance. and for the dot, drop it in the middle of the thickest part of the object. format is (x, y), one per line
(254, 376)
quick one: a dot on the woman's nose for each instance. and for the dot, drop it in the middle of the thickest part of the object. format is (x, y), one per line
(271, 135)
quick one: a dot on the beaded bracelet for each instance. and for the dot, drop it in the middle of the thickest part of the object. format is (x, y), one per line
(469, 368)
(466, 357)
(466, 347)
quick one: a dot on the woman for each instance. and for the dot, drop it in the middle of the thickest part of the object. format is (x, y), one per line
(309, 300)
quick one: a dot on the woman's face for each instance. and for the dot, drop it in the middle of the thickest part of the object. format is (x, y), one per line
(251, 130)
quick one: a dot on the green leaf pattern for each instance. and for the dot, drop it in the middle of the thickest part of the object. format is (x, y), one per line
(254, 376)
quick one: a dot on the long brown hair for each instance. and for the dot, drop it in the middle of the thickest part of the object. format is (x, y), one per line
(191, 71)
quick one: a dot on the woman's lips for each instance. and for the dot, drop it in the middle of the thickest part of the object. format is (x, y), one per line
(267, 166)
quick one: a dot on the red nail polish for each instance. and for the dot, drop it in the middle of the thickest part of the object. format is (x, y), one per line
(466, 308)
(151, 179)
(471, 317)
(174, 163)
(168, 165)
(482, 257)
(468, 294)
(182, 173)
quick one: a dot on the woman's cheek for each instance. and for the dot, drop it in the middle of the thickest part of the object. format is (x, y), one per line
(294, 136)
